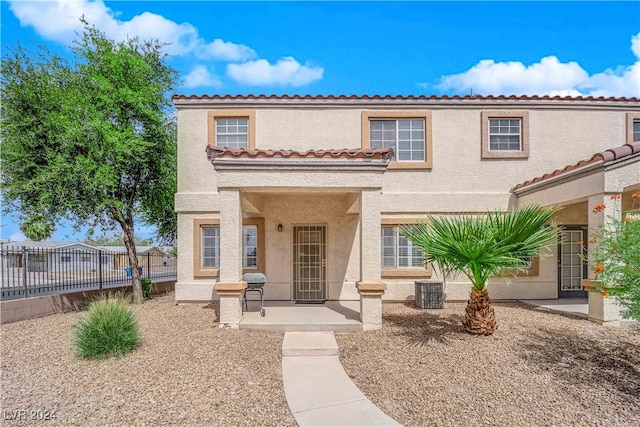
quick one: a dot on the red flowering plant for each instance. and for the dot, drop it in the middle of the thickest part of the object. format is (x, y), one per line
(616, 257)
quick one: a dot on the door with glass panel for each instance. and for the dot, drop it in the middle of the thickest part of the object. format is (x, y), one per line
(571, 267)
(309, 263)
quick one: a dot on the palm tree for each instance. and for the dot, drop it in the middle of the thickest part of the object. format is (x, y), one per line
(37, 227)
(482, 247)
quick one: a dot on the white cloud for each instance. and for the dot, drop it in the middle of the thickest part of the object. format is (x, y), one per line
(227, 51)
(635, 45)
(199, 77)
(286, 72)
(489, 77)
(547, 77)
(62, 23)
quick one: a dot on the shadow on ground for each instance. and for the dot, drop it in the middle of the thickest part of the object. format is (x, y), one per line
(422, 327)
(588, 357)
(215, 306)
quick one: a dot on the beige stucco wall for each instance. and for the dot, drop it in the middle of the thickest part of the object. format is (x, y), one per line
(460, 181)
(342, 242)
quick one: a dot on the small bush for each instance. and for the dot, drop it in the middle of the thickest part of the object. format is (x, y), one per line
(109, 328)
(147, 287)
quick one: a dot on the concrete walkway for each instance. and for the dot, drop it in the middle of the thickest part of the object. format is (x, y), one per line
(575, 306)
(318, 390)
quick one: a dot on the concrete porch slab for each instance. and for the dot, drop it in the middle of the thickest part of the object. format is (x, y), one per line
(287, 316)
(575, 306)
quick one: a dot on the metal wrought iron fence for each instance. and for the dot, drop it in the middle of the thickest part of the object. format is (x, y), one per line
(36, 271)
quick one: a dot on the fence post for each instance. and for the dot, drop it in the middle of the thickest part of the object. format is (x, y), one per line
(148, 265)
(25, 265)
(100, 268)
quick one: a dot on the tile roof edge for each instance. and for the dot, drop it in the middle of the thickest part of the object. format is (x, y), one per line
(179, 96)
(605, 156)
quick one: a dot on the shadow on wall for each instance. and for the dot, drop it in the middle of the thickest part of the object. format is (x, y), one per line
(587, 357)
(422, 327)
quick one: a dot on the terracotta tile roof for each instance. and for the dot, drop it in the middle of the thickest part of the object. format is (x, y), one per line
(397, 97)
(344, 153)
(604, 156)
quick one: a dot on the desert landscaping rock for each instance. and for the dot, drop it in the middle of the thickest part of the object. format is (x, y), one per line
(538, 369)
(186, 371)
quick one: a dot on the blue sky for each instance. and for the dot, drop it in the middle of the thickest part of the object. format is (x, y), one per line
(556, 48)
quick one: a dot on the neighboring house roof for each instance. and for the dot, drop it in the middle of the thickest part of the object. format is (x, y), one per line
(214, 152)
(49, 244)
(139, 249)
(603, 158)
(179, 97)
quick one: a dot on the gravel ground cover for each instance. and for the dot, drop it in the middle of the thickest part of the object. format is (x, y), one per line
(538, 369)
(186, 372)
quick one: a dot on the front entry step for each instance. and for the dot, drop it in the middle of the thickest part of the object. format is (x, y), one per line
(301, 344)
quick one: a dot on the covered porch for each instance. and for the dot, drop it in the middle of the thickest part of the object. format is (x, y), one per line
(320, 214)
(593, 193)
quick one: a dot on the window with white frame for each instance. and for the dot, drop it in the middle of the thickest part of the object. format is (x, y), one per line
(398, 252)
(232, 132)
(636, 130)
(250, 247)
(505, 134)
(210, 247)
(405, 136)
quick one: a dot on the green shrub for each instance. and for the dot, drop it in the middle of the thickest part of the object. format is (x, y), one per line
(109, 328)
(147, 287)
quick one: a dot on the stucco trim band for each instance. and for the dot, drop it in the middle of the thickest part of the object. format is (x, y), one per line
(230, 288)
(371, 288)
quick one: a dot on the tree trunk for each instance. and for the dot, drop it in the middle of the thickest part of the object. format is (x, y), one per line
(129, 243)
(480, 318)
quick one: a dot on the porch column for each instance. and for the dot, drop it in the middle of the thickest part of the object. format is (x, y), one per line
(370, 287)
(230, 286)
(602, 310)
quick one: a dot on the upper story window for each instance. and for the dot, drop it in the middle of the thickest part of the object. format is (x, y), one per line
(405, 136)
(398, 252)
(232, 132)
(408, 132)
(636, 130)
(505, 134)
(232, 128)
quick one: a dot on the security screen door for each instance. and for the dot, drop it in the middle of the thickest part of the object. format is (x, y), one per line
(309, 263)
(571, 266)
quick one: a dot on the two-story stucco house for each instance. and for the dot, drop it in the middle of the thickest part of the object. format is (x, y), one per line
(309, 190)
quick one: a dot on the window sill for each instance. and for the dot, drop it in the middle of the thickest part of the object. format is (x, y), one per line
(501, 155)
(409, 165)
(214, 272)
(399, 273)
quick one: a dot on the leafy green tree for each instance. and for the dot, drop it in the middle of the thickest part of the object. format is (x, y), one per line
(37, 227)
(92, 140)
(482, 247)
